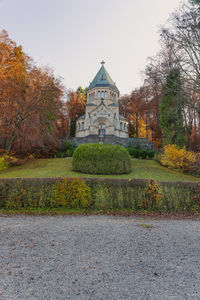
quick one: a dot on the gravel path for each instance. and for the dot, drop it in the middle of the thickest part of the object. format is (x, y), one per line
(98, 257)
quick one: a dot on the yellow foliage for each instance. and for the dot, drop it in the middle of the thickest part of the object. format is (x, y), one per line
(142, 129)
(175, 157)
(71, 193)
(6, 161)
(3, 164)
(10, 159)
(153, 195)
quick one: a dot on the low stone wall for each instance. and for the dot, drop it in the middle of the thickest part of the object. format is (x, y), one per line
(114, 140)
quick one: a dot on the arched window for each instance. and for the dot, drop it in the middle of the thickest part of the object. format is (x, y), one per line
(121, 126)
(99, 94)
(124, 126)
(79, 126)
(105, 94)
(82, 125)
(102, 94)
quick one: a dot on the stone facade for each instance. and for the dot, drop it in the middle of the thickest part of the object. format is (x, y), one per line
(114, 140)
(102, 120)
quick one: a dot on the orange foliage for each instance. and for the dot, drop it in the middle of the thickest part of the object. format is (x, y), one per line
(76, 108)
(30, 101)
(134, 108)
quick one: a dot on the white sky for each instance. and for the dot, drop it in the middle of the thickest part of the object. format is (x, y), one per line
(73, 36)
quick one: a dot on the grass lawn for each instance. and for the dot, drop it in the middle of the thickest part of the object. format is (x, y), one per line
(61, 167)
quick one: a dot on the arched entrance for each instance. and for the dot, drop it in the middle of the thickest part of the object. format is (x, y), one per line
(101, 129)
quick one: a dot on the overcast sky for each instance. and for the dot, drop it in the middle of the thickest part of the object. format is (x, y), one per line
(74, 36)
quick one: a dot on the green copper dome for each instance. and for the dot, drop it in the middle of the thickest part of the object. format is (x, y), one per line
(103, 79)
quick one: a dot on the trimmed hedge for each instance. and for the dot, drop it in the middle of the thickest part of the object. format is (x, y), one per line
(101, 159)
(99, 193)
(141, 153)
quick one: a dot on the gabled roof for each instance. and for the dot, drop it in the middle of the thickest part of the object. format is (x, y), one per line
(102, 79)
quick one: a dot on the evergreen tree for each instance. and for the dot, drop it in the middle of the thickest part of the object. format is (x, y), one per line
(172, 106)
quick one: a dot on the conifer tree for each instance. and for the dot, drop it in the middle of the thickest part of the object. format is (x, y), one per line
(172, 106)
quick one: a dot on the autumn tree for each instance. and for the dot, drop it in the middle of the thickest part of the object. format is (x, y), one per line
(183, 32)
(41, 112)
(125, 110)
(133, 107)
(76, 107)
(30, 101)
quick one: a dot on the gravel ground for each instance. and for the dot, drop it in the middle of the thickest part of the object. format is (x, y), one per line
(98, 257)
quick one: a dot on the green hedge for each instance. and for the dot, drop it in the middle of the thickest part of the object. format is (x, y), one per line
(99, 193)
(101, 159)
(141, 153)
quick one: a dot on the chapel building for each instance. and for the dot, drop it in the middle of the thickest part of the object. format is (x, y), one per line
(102, 119)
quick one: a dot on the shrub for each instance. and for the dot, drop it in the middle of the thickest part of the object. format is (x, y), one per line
(4, 164)
(7, 161)
(65, 145)
(73, 193)
(150, 154)
(101, 159)
(143, 154)
(153, 195)
(129, 149)
(66, 149)
(59, 154)
(175, 157)
(69, 153)
(136, 153)
(139, 153)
